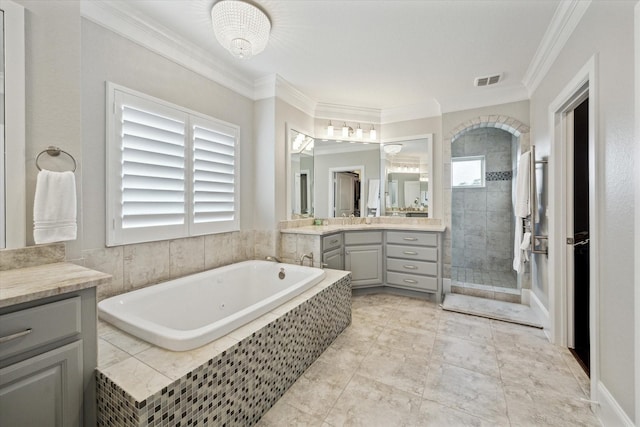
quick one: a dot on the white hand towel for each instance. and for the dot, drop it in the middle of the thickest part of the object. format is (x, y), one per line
(54, 207)
(374, 191)
(525, 245)
(517, 242)
(523, 208)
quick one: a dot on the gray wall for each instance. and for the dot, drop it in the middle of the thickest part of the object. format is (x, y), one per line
(606, 30)
(482, 218)
(107, 56)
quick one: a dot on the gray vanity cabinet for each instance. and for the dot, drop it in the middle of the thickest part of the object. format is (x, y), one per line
(333, 251)
(412, 260)
(47, 362)
(363, 257)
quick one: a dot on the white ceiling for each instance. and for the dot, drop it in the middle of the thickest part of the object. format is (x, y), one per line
(384, 54)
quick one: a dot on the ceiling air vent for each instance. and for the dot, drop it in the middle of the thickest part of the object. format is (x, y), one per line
(487, 81)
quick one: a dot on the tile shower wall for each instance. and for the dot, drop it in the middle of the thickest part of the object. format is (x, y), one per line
(482, 218)
(236, 387)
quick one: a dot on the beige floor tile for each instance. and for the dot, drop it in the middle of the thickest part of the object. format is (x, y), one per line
(466, 354)
(366, 402)
(404, 370)
(318, 389)
(465, 327)
(410, 340)
(282, 414)
(533, 406)
(468, 391)
(346, 355)
(433, 414)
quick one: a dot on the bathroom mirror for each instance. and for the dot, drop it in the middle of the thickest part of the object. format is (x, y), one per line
(344, 175)
(301, 178)
(12, 126)
(407, 189)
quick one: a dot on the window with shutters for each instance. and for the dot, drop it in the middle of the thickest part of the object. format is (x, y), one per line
(171, 172)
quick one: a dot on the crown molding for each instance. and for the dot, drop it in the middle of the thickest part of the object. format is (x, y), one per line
(411, 112)
(347, 113)
(564, 22)
(275, 86)
(126, 22)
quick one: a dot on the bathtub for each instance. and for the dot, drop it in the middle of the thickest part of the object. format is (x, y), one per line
(188, 312)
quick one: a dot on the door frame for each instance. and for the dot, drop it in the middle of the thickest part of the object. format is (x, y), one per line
(637, 206)
(585, 80)
(332, 172)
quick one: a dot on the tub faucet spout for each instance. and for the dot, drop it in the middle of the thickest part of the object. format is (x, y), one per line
(272, 258)
(309, 256)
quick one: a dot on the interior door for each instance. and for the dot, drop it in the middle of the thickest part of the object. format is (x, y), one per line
(344, 194)
(579, 342)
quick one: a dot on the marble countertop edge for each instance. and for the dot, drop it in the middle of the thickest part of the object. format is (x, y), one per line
(328, 229)
(33, 283)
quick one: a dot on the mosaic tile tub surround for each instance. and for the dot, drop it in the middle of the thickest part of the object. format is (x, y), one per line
(237, 386)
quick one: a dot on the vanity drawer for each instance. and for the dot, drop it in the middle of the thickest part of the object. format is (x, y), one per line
(33, 327)
(412, 281)
(332, 241)
(412, 252)
(362, 237)
(412, 238)
(412, 267)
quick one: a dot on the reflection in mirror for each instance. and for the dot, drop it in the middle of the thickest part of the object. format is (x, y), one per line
(13, 108)
(346, 174)
(2, 136)
(301, 167)
(406, 187)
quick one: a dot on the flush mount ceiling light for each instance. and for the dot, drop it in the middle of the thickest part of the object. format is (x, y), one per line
(240, 27)
(392, 149)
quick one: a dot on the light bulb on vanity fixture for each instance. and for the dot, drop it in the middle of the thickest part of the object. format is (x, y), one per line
(373, 135)
(330, 129)
(359, 132)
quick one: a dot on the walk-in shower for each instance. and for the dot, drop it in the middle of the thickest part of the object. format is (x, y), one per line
(483, 162)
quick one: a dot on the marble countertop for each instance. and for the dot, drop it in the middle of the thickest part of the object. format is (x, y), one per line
(328, 229)
(32, 283)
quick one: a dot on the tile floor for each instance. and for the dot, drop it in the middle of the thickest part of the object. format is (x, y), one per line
(504, 279)
(406, 362)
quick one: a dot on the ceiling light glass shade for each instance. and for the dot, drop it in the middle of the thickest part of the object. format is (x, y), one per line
(392, 148)
(373, 135)
(359, 132)
(240, 27)
(345, 131)
(330, 129)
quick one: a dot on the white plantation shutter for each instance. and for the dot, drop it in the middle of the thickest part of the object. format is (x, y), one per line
(214, 176)
(170, 173)
(153, 170)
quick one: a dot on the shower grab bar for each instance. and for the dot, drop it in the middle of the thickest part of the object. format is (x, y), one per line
(533, 199)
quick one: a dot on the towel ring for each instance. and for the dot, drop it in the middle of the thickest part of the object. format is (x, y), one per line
(55, 152)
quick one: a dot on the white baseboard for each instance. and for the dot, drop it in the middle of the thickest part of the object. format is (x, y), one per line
(446, 286)
(529, 298)
(609, 411)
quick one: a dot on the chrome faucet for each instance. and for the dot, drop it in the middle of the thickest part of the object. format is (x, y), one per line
(351, 218)
(308, 256)
(272, 258)
(344, 218)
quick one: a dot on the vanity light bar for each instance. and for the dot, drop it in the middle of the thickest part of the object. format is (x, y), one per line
(347, 132)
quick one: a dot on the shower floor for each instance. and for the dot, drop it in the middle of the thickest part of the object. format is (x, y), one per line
(502, 279)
